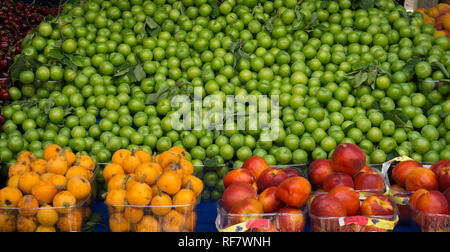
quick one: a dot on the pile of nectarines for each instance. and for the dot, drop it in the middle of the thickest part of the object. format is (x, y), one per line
(439, 17)
(258, 191)
(347, 167)
(327, 209)
(411, 176)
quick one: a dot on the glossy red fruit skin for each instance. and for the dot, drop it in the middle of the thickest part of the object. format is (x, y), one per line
(235, 193)
(377, 205)
(444, 179)
(325, 205)
(433, 202)
(402, 169)
(337, 179)
(348, 197)
(291, 220)
(447, 195)
(348, 158)
(436, 167)
(369, 181)
(318, 171)
(239, 175)
(271, 177)
(268, 198)
(291, 172)
(256, 164)
(294, 191)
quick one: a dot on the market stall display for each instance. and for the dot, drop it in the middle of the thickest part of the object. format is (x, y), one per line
(339, 87)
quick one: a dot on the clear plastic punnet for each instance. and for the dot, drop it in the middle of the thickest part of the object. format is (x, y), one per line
(429, 222)
(400, 197)
(267, 222)
(173, 218)
(367, 192)
(45, 219)
(355, 223)
(292, 221)
(49, 219)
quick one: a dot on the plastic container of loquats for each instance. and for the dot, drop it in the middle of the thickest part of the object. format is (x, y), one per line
(173, 218)
(49, 219)
(45, 219)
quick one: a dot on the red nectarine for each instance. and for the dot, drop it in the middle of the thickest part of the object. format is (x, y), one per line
(291, 172)
(402, 169)
(248, 209)
(271, 177)
(415, 196)
(255, 164)
(348, 197)
(247, 206)
(269, 200)
(444, 179)
(432, 202)
(239, 175)
(436, 167)
(447, 195)
(337, 179)
(369, 181)
(235, 193)
(348, 158)
(294, 191)
(325, 205)
(318, 170)
(377, 205)
(421, 178)
(366, 168)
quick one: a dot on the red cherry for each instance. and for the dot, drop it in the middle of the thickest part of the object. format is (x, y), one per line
(4, 94)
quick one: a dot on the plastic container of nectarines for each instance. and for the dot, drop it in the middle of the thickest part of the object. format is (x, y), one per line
(356, 223)
(364, 193)
(294, 221)
(426, 222)
(398, 195)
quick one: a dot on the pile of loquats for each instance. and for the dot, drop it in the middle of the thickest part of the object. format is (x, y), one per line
(152, 193)
(47, 195)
